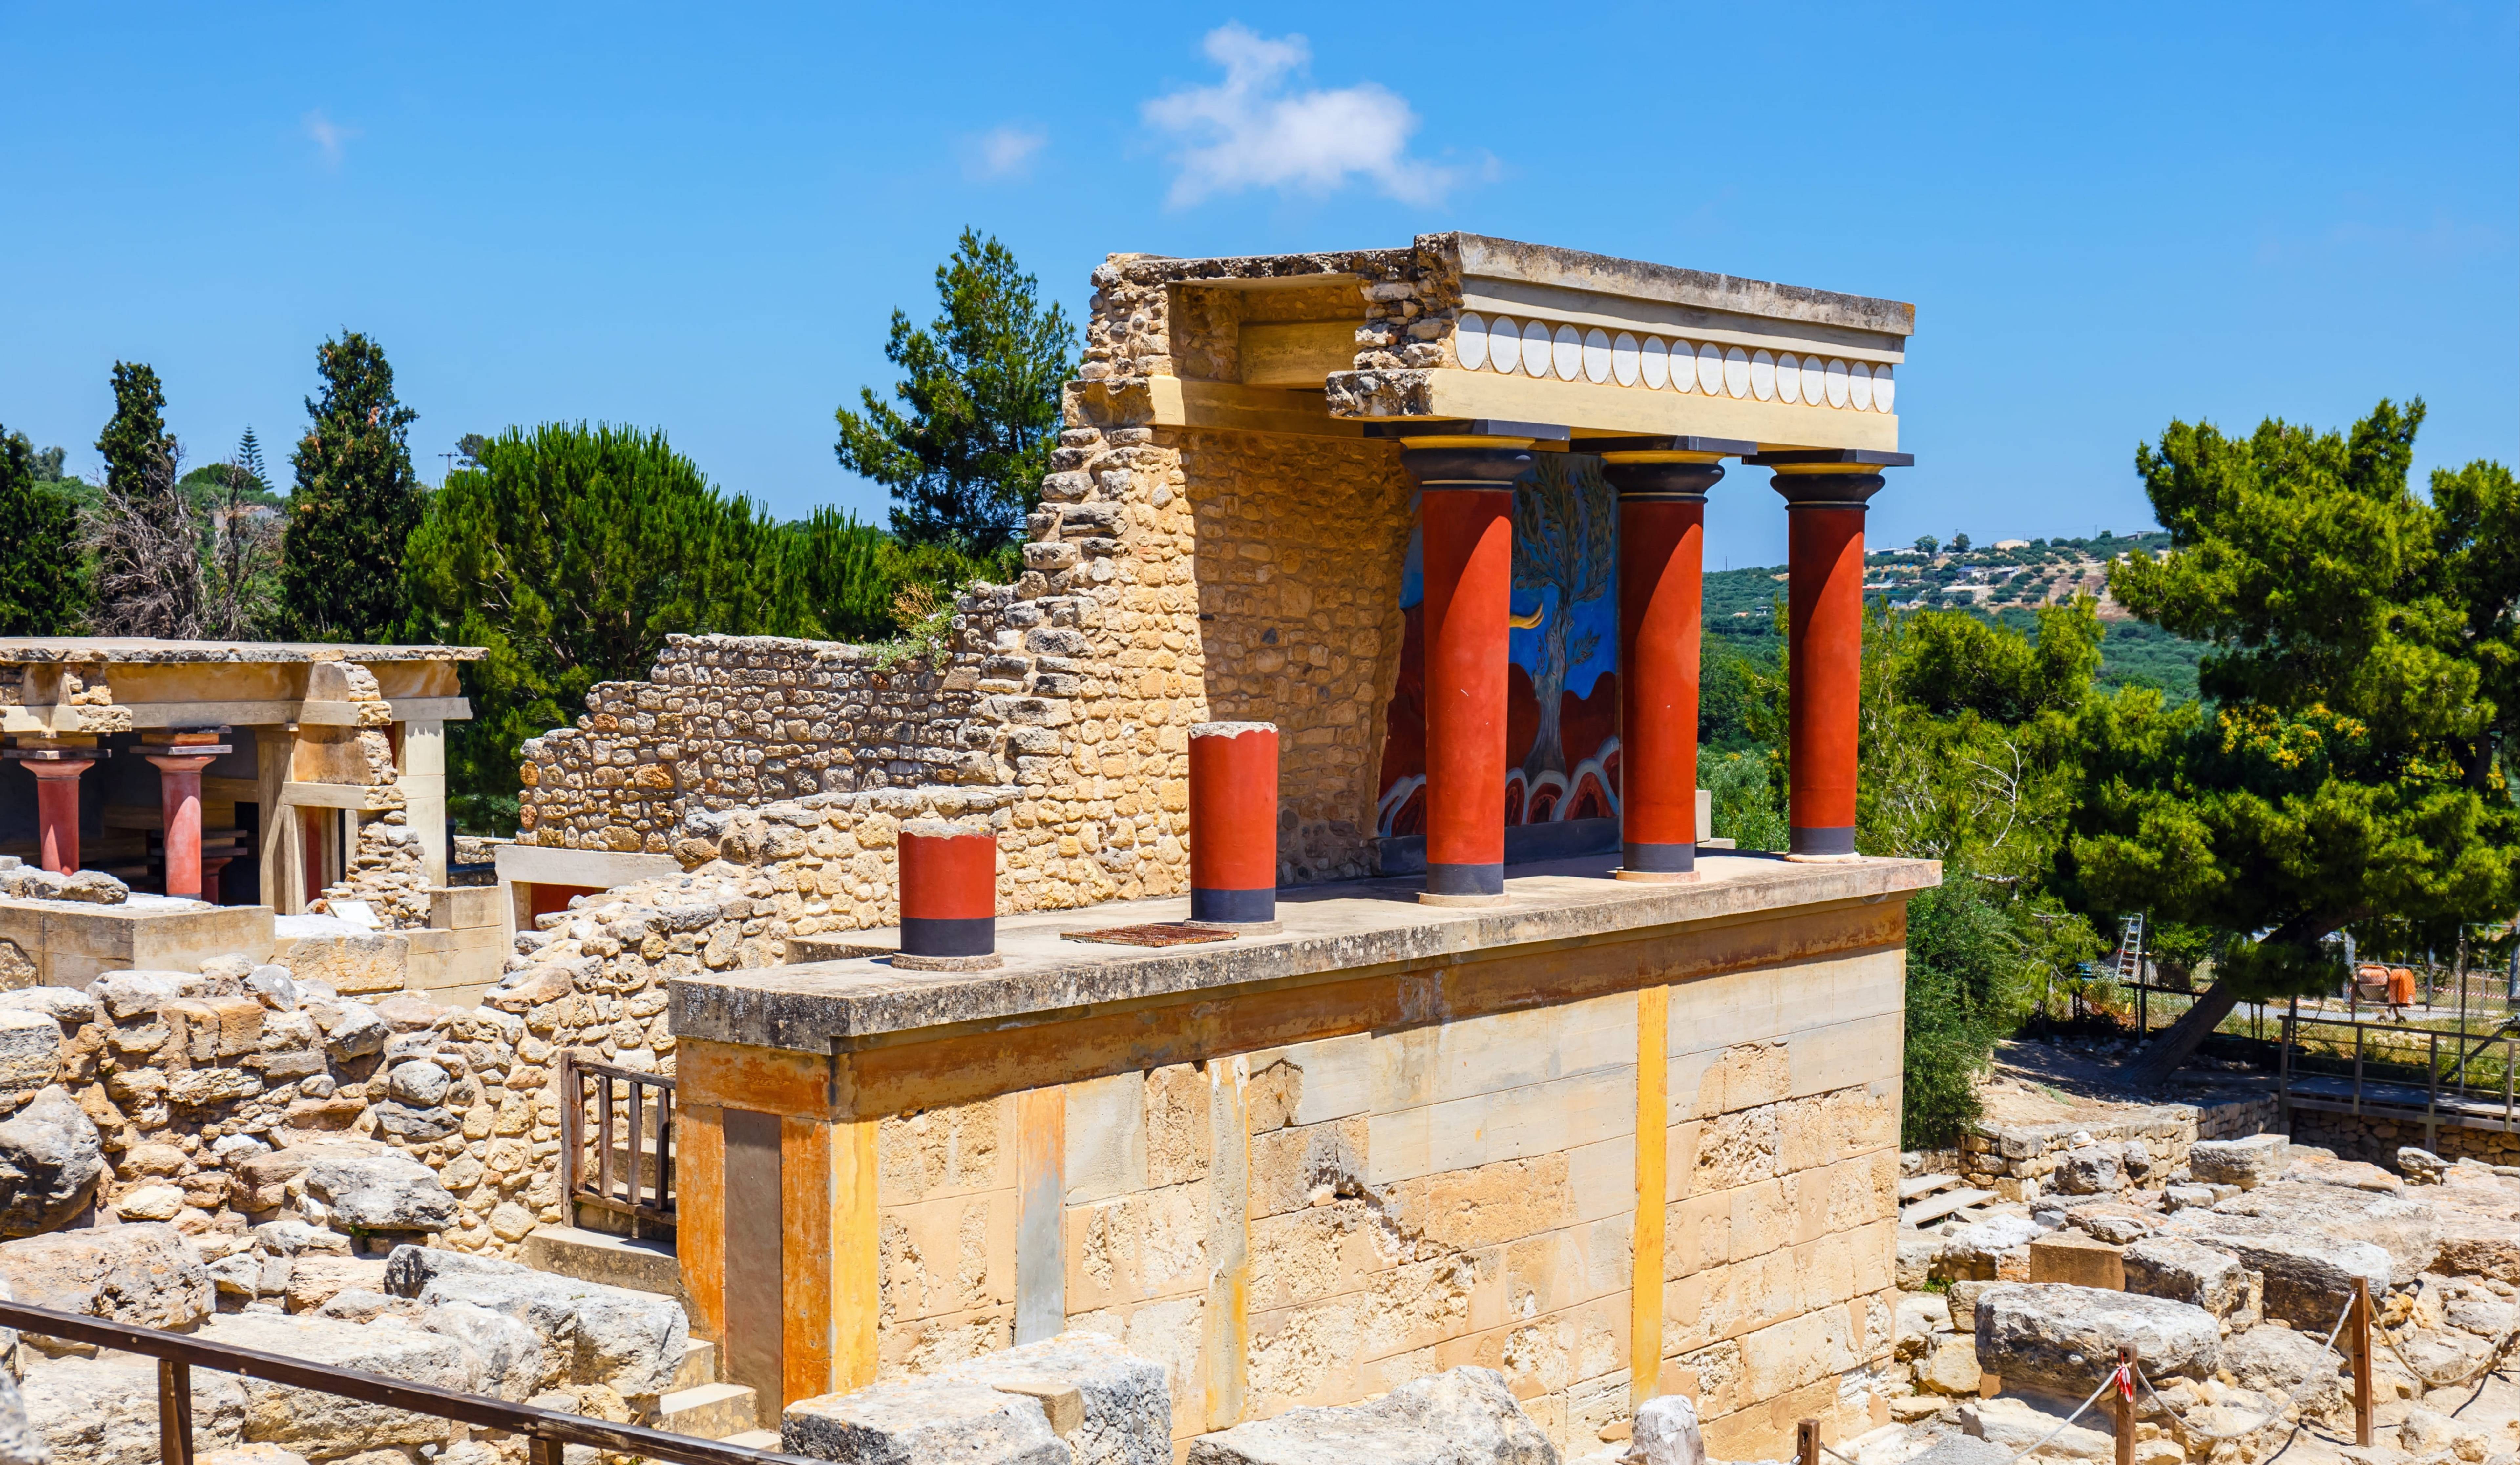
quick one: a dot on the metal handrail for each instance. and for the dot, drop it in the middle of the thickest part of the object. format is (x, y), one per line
(599, 1190)
(547, 1430)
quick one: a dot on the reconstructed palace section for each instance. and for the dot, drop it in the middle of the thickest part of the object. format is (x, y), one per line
(1305, 1166)
(1432, 511)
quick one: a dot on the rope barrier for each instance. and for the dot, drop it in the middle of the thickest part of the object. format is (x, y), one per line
(2492, 1357)
(2116, 1376)
(2291, 1399)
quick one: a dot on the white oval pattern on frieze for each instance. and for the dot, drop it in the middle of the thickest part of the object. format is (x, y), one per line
(1653, 363)
(1538, 348)
(1470, 340)
(1535, 350)
(1858, 386)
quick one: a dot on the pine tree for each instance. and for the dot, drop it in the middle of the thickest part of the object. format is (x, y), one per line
(243, 548)
(148, 566)
(40, 589)
(356, 502)
(965, 465)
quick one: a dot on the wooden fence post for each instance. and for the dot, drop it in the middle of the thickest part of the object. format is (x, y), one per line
(174, 1413)
(2123, 1387)
(2358, 1352)
(1807, 1443)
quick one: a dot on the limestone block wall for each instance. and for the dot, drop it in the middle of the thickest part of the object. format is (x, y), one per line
(1316, 1223)
(2014, 1161)
(2378, 1140)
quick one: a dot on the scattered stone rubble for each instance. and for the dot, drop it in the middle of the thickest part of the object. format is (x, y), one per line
(421, 1315)
(21, 881)
(2234, 1264)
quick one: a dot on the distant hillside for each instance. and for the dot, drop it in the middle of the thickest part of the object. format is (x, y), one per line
(2002, 581)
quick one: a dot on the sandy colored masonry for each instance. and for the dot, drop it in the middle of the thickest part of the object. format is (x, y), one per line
(1300, 1170)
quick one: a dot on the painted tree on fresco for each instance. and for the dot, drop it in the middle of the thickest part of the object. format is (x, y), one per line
(1563, 526)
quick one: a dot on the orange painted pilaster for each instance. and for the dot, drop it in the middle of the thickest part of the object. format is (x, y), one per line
(1654, 1180)
(809, 1261)
(699, 1226)
(856, 1296)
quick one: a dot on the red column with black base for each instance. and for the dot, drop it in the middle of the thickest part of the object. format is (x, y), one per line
(1662, 530)
(1824, 493)
(949, 897)
(1465, 512)
(1234, 824)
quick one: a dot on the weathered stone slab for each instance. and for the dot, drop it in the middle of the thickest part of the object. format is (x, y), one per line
(51, 1158)
(1463, 1416)
(2276, 1362)
(147, 1275)
(104, 1411)
(1978, 1251)
(927, 1421)
(378, 1189)
(2185, 1271)
(2015, 1424)
(19, 1445)
(2077, 1260)
(1124, 1411)
(2061, 1341)
(2246, 1163)
(631, 1342)
(323, 1426)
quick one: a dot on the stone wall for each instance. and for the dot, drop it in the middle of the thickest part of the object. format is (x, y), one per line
(1280, 553)
(1302, 542)
(2378, 1140)
(1323, 1221)
(386, 869)
(2016, 1161)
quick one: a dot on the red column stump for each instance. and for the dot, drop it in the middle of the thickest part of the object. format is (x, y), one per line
(56, 801)
(1233, 825)
(179, 800)
(949, 897)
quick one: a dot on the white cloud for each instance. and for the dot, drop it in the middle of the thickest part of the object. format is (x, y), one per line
(328, 135)
(1004, 151)
(1254, 130)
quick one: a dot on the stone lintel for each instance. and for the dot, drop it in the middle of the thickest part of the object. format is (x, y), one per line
(1326, 929)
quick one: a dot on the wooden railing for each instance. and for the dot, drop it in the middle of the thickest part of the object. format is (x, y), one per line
(546, 1431)
(633, 1174)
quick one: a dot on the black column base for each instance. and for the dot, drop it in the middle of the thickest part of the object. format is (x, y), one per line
(1824, 843)
(1659, 859)
(1466, 879)
(1234, 906)
(931, 936)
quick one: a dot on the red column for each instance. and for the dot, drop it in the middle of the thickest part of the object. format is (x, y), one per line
(1466, 510)
(179, 798)
(1824, 493)
(949, 897)
(1234, 824)
(1662, 525)
(56, 811)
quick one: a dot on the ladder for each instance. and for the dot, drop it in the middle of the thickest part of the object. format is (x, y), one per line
(2130, 958)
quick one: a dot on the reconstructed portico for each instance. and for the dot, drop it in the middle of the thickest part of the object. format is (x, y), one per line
(1618, 1119)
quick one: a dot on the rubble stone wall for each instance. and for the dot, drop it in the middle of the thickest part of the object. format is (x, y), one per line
(1152, 547)
(2016, 1161)
(2378, 1140)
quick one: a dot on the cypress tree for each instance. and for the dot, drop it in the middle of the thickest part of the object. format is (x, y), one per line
(356, 502)
(40, 593)
(148, 566)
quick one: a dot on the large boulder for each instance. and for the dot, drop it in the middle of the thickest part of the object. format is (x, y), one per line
(1463, 1416)
(2280, 1365)
(374, 1188)
(2310, 1241)
(927, 1421)
(147, 1275)
(19, 1445)
(1665, 1432)
(327, 1426)
(1123, 1410)
(2016, 1424)
(104, 1411)
(517, 1361)
(2091, 1170)
(2059, 1340)
(50, 1161)
(1979, 1250)
(2246, 1163)
(2185, 1271)
(30, 1045)
(631, 1342)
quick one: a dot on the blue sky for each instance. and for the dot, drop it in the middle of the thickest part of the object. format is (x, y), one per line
(701, 218)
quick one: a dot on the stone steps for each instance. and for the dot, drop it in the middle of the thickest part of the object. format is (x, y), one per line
(614, 1261)
(1916, 1185)
(1936, 1208)
(755, 1440)
(699, 1365)
(708, 1412)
